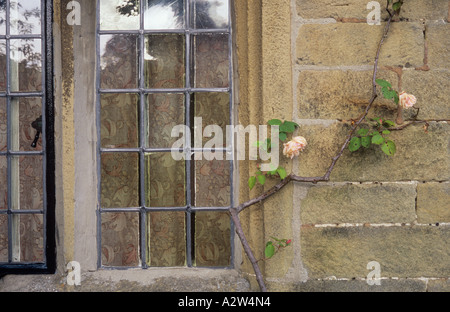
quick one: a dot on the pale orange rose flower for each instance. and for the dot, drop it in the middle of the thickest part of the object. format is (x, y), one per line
(294, 147)
(407, 100)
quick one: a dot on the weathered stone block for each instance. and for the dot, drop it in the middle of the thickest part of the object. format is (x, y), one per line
(425, 10)
(421, 155)
(357, 9)
(438, 39)
(359, 203)
(411, 251)
(387, 285)
(439, 285)
(338, 9)
(433, 202)
(346, 44)
(432, 90)
(341, 94)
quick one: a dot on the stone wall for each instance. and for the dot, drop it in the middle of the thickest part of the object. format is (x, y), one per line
(392, 210)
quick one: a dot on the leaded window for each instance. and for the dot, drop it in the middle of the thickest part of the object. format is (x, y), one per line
(26, 137)
(161, 64)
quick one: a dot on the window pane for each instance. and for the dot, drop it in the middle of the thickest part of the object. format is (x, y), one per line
(210, 14)
(212, 239)
(214, 110)
(119, 65)
(2, 65)
(3, 18)
(212, 183)
(119, 14)
(25, 114)
(119, 120)
(30, 228)
(25, 17)
(164, 14)
(164, 111)
(3, 183)
(26, 65)
(211, 61)
(3, 238)
(164, 61)
(120, 239)
(166, 239)
(120, 180)
(3, 125)
(165, 181)
(27, 188)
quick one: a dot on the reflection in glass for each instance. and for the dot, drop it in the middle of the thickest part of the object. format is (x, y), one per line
(210, 14)
(23, 112)
(2, 65)
(25, 17)
(3, 17)
(30, 190)
(212, 239)
(166, 239)
(120, 239)
(119, 120)
(26, 65)
(164, 61)
(3, 125)
(3, 183)
(212, 183)
(3, 238)
(164, 111)
(164, 14)
(28, 238)
(164, 181)
(119, 14)
(212, 62)
(213, 108)
(119, 180)
(118, 62)
(26, 182)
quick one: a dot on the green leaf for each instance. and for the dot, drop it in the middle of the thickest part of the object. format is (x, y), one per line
(386, 132)
(389, 148)
(388, 123)
(383, 83)
(288, 126)
(275, 122)
(283, 136)
(396, 6)
(252, 182)
(388, 94)
(363, 132)
(378, 139)
(262, 179)
(396, 98)
(270, 250)
(366, 141)
(282, 172)
(355, 144)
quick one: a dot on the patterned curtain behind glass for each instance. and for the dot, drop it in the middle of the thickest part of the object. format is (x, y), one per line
(164, 67)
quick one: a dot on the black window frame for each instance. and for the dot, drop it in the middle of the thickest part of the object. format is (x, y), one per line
(48, 266)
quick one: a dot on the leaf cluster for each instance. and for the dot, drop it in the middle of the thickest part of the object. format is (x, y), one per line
(387, 90)
(378, 136)
(285, 128)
